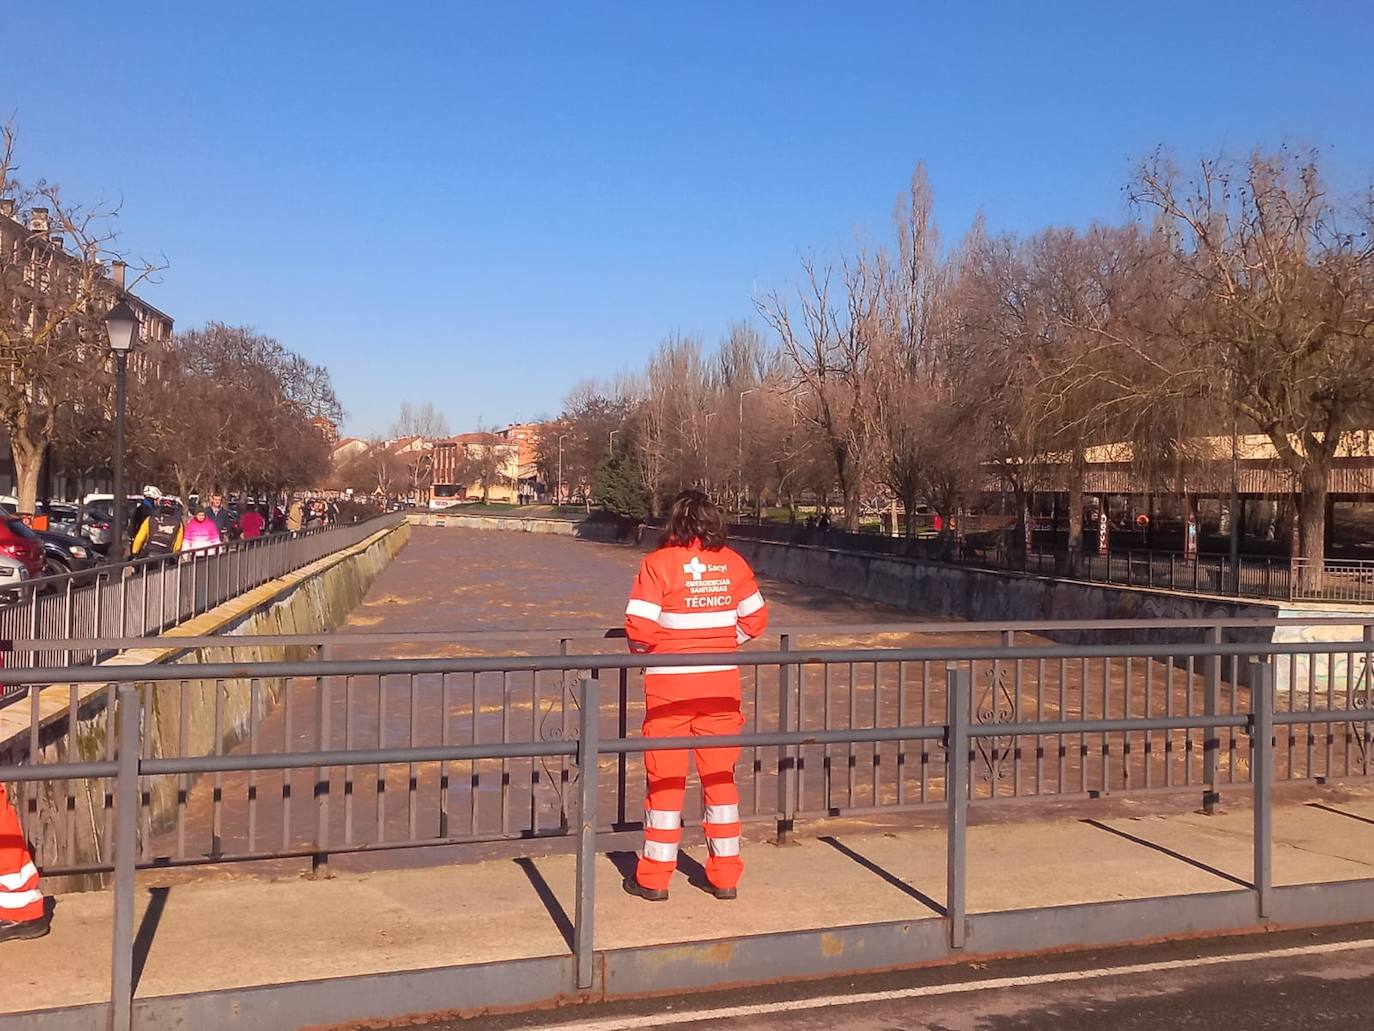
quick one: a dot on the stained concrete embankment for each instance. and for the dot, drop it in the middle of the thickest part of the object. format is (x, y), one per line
(69, 823)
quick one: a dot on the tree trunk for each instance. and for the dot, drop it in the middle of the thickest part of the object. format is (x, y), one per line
(1076, 508)
(1312, 524)
(28, 467)
(851, 508)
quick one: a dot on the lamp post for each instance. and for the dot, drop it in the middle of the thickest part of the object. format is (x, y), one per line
(121, 325)
(706, 457)
(739, 457)
(558, 499)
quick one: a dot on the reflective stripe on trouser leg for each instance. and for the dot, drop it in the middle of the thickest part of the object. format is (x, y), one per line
(20, 897)
(720, 817)
(666, 776)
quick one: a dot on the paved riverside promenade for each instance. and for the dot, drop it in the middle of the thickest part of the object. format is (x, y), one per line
(205, 929)
(242, 931)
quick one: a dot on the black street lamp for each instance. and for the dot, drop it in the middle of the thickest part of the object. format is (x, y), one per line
(121, 325)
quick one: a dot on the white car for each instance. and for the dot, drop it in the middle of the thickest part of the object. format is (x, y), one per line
(12, 577)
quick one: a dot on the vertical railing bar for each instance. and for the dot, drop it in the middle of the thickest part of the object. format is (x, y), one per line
(622, 769)
(474, 769)
(145, 793)
(877, 745)
(348, 770)
(412, 771)
(183, 749)
(851, 757)
(380, 790)
(901, 722)
(446, 738)
(253, 726)
(505, 763)
(584, 938)
(1262, 705)
(787, 796)
(126, 842)
(958, 691)
(534, 763)
(324, 710)
(287, 745)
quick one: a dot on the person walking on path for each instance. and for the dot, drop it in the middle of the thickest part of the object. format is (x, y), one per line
(692, 595)
(23, 913)
(160, 534)
(218, 514)
(295, 515)
(201, 533)
(252, 523)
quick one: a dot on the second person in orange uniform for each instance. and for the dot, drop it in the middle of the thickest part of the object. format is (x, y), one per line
(692, 595)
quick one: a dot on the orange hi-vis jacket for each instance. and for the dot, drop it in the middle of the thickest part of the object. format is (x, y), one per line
(690, 600)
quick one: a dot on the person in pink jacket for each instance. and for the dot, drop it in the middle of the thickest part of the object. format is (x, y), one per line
(200, 533)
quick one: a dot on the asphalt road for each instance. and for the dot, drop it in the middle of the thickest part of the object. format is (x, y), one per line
(1306, 979)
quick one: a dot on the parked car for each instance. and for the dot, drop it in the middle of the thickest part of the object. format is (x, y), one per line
(62, 517)
(19, 542)
(63, 553)
(13, 573)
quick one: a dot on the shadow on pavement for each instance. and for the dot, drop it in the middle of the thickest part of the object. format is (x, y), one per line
(554, 908)
(887, 875)
(1171, 853)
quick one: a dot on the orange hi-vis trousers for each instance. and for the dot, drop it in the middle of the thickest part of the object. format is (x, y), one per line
(666, 771)
(20, 899)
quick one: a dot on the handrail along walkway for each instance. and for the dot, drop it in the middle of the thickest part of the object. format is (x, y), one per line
(959, 734)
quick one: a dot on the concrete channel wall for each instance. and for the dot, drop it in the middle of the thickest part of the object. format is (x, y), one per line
(312, 600)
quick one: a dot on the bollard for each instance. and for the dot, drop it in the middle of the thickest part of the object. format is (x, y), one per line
(588, 764)
(958, 693)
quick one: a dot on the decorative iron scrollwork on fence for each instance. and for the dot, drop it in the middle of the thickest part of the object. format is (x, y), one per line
(997, 704)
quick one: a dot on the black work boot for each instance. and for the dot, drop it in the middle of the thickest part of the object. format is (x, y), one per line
(724, 894)
(19, 930)
(633, 887)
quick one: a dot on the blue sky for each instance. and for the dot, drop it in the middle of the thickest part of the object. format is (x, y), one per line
(479, 205)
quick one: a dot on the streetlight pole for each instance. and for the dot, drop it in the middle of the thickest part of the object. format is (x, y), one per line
(739, 458)
(121, 325)
(559, 498)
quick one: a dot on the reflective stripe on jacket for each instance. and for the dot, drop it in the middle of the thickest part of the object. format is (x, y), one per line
(690, 600)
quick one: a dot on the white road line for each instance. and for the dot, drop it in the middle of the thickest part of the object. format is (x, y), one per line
(629, 1023)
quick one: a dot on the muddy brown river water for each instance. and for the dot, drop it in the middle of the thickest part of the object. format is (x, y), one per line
(460, 581)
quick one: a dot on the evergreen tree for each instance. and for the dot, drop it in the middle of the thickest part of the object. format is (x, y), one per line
(619, 487)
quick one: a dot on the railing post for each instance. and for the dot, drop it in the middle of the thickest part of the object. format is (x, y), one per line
(588, 761)
(319, 862)
(958, 689)
(1262, 774)
(126, 844)
(1211, 742)
(787, 787)
(622, 766)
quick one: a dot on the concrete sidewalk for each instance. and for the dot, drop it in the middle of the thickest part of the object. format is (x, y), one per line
(242, 930)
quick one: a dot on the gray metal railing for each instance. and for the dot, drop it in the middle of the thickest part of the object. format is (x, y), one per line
(958, 741)
(147, 596)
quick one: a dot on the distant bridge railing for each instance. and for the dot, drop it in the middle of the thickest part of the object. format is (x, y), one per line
(967, 732)
(146, 596)
(1249, 577)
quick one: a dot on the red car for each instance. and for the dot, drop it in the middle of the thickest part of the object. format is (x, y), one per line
(18, 541)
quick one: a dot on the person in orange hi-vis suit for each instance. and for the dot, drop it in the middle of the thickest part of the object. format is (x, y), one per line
(22, 911)
(692, 595)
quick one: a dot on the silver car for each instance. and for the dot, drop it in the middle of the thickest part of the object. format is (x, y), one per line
(12, 577)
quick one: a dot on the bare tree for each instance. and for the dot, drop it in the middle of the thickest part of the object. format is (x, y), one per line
(419, 421)
(1278, 276)
(54, 291)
